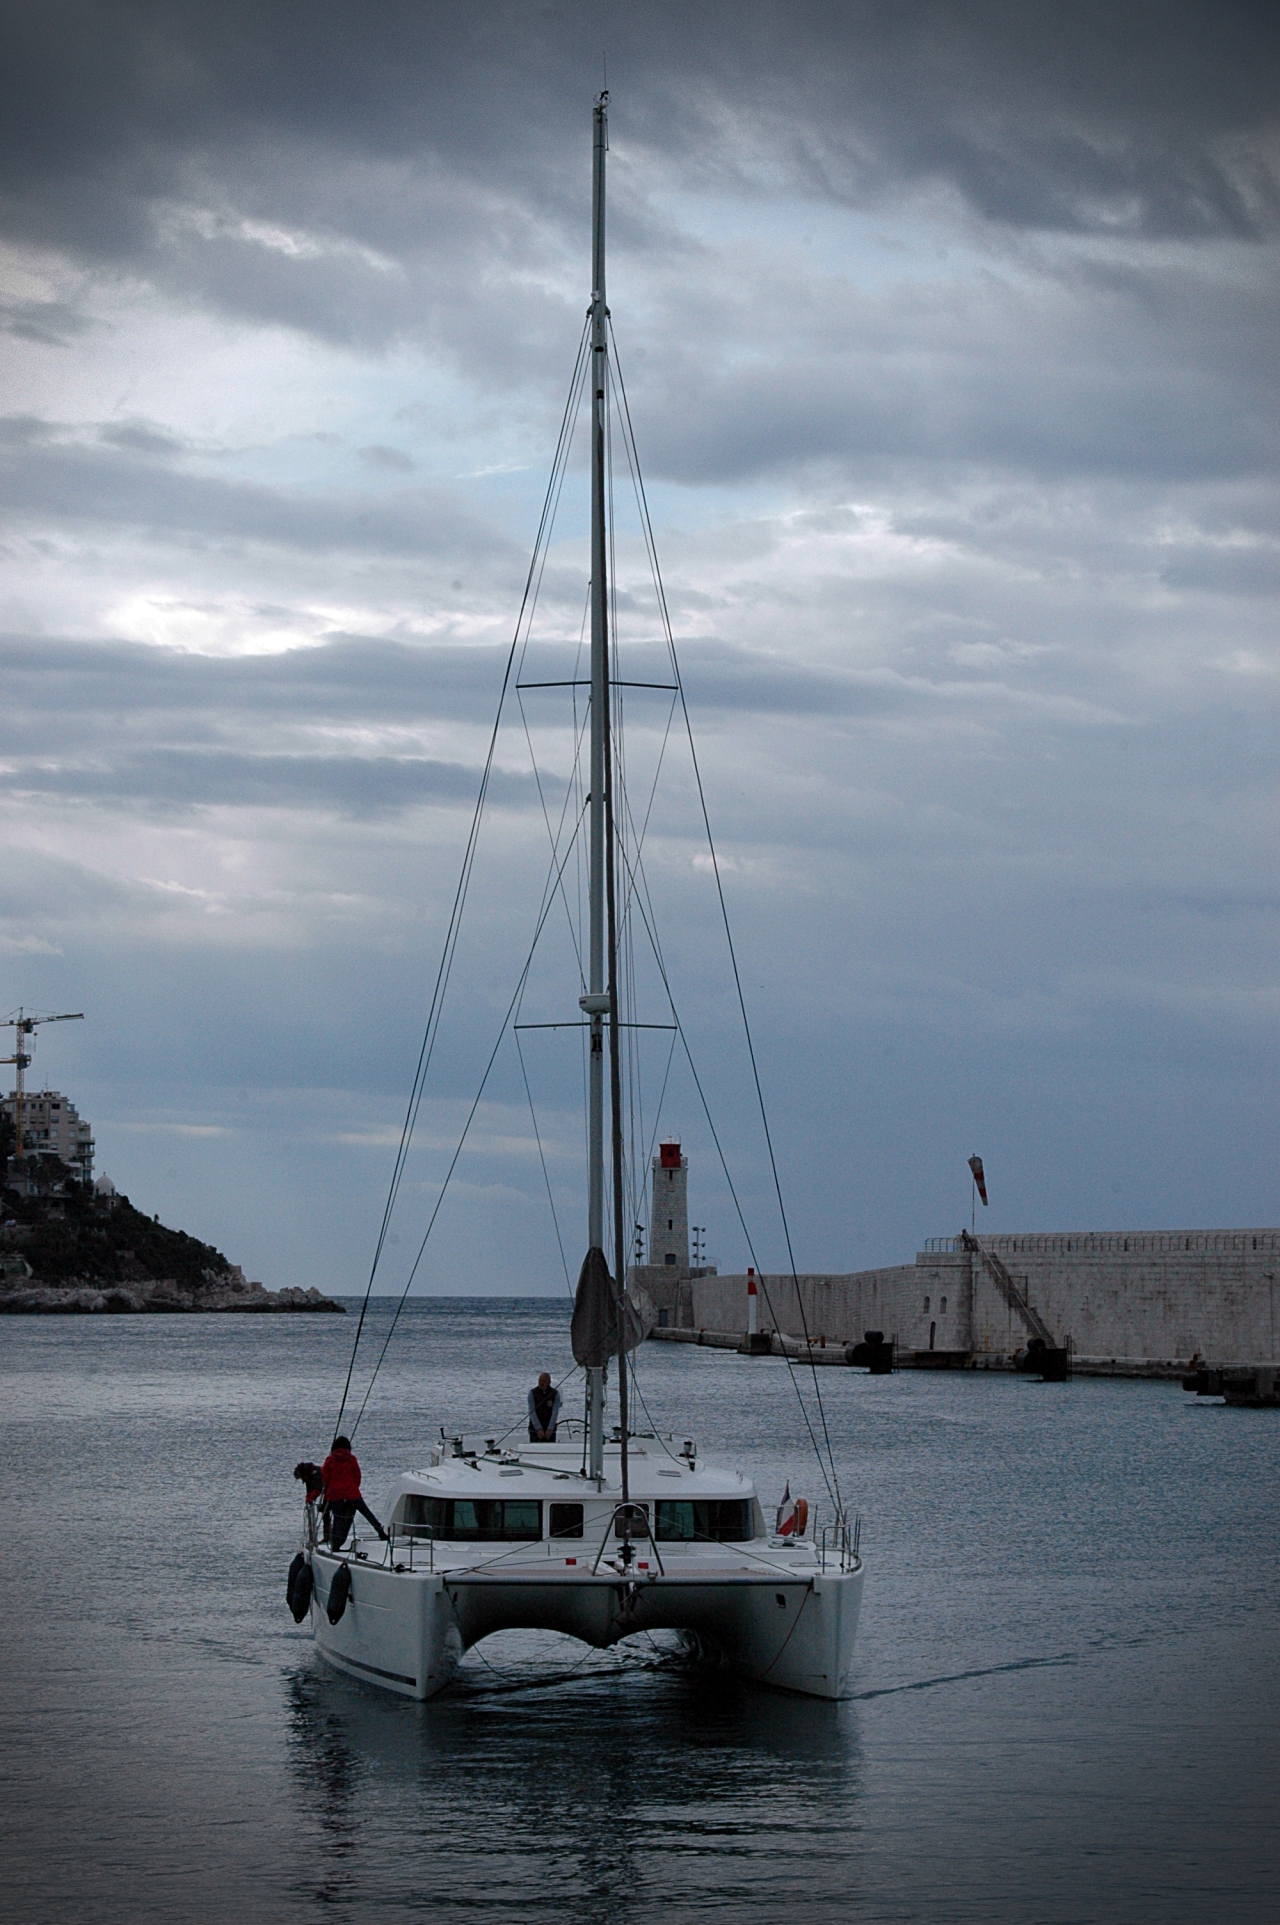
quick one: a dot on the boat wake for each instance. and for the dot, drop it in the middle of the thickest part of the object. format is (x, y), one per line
(963, 1677)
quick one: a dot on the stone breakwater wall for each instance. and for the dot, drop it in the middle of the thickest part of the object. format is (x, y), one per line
(222, 1291)
(1146, 1298)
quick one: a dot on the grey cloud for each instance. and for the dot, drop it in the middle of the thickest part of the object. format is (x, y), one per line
(21, 430)
(437, 192)
(355, 680)
(993, 756)
(349, 679)
(141, 438)
(356, 785)
(1166, 372)
(87, 688)
(1125, 116)
(54, 323)
(392, 460)
(145, 728)
(1226, 571)
(126, 477)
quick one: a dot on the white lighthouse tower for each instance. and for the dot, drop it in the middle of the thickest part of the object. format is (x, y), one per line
(669, 1228)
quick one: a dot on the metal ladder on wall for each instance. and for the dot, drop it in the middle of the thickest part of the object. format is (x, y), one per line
(1005, 1284)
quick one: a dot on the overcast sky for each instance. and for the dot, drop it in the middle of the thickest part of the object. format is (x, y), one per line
(950, 336)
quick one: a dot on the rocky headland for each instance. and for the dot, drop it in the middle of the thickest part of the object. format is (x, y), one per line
(75, 1249)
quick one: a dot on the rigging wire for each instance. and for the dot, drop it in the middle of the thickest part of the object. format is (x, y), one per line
(651, 546)
(537, 1137)
(637, 896)
(829, 1476)
(453, 930)
(548, 899)
(553, 836)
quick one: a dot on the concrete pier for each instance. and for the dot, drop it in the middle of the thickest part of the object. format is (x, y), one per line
(1143, 1303)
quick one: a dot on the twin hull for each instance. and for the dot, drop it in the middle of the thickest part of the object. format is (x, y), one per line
(407, 1630)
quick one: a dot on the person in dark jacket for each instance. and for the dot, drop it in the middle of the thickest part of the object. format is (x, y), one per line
(313, 1477)
(544, 1411)
(342, 1499)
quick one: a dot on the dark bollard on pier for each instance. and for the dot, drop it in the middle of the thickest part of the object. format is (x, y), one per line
(1247, 1387)
(873, 1353)
(1051, 1363)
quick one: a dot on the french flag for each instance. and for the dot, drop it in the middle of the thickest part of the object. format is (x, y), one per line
(786, 1513)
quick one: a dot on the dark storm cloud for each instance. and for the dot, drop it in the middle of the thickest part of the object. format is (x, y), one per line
(1127, 116)
(419, 175)
(982, 670)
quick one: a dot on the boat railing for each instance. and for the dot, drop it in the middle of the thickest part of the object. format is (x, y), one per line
(617, 1512)
(843, 1540)
(412, 1539)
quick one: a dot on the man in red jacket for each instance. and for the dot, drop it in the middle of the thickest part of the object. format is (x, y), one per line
(342, 1499)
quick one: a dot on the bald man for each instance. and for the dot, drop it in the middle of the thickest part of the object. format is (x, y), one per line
(544, 1411)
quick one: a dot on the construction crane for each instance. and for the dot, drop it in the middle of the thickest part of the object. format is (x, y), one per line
(24, 1025)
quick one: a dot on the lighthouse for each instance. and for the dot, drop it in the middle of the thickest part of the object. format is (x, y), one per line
(669, 1226)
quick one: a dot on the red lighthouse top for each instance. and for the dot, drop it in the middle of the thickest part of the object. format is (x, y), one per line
(669, 1156)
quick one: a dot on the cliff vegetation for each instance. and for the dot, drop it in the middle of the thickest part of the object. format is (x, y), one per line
(65, 1245)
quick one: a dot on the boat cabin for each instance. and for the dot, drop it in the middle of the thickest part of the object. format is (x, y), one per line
(498, 1497)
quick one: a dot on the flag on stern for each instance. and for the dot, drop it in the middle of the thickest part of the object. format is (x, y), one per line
(975, 1164)
(793, 1515)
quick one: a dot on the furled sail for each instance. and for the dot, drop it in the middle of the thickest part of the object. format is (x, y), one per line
(594, 1331)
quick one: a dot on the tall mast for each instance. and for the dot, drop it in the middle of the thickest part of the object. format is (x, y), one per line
(596, 1002)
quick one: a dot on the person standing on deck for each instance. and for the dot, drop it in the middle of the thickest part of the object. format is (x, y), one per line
(544, 1411)
(342, 1499)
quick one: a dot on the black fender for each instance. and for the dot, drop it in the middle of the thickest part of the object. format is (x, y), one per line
(339, 1592)
(298, 1589)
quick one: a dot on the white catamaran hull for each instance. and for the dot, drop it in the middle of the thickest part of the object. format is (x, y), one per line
(407, 1630)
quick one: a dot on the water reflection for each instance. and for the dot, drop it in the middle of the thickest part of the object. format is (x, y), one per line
(632, 1782)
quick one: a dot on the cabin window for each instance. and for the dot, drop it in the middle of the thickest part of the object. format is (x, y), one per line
(475, 1520)
(714, 1520)
(631, 1520)
(566, 1520)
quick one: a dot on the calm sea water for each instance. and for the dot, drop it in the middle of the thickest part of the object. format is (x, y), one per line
(1069, 1657)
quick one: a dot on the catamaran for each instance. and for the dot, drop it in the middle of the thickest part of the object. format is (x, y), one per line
(600, 1536)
